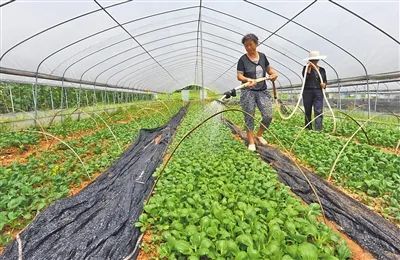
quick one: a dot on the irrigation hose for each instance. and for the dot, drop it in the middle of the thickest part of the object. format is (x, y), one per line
(344, 147)
(300, 97)
(320, 115)
(207, 119)
(187, 134)
(63, 142)
(232, 92)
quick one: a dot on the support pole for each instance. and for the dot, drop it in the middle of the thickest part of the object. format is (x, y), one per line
(76, 97)
(66, 97)
(376, 95)
(51, 98)
(11, 98)
(34, 95)
(340, 97)
(87, 99)
(202, 65)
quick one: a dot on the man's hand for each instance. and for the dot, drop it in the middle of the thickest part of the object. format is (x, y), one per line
(323, 85)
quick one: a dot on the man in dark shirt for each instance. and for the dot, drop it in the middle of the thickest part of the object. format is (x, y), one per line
(312, 94)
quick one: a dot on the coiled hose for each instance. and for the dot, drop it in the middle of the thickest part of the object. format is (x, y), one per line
(300, 97)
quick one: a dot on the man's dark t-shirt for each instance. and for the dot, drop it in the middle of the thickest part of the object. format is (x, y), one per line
(254, 69)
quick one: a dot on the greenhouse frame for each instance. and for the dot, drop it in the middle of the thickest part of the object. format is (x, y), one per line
(157, 129)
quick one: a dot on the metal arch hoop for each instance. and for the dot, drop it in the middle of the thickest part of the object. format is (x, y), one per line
(214, 10)
(6, 3)
(326, 39)
(227, 54)
(240, 34)
(118, 42)
(186, 8)
(54, 26)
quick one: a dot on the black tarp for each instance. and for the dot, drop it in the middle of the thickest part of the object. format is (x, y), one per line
(371, 231)
(98, 222)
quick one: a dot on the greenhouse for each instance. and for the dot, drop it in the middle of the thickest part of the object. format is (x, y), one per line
(202, 129)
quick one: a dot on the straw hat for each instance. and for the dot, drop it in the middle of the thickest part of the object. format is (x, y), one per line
(315, 55)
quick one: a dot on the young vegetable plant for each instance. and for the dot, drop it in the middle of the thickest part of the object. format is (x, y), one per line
(223, 202)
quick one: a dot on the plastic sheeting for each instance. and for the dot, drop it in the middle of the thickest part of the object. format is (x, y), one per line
(178, 43)
(368, 229)
(98, 222)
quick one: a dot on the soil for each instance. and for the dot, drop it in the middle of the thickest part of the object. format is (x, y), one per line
(13, 154)
(148, 250)
(375, 204)
(77, 188)
(357, 252)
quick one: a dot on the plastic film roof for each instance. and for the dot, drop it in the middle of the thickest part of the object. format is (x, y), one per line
(166, 45)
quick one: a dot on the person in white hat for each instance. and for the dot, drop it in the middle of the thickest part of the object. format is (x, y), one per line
(312, 94)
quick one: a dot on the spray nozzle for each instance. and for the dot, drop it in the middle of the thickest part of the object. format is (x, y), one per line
(230, 93)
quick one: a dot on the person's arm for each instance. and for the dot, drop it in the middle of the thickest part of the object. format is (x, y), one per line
(273, 74)
(324, 79)
(310, 67)
(241, 77)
